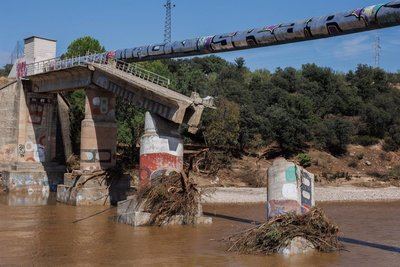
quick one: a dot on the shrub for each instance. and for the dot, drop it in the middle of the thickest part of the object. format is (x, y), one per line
(392, 140)
(304, 160)
(353, 163)
(366, 140)
(333, 135)
(395, 173)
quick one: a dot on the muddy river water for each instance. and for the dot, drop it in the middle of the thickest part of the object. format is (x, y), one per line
(56, 234)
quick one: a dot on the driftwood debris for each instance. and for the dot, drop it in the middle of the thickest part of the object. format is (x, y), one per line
(170, 195)
(276, 234)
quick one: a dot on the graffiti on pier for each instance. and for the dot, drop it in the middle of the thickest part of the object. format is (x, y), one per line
(96, 155)
(35, 152)
(21, 151)
(357, 20)
(7, 153)
(36, 110)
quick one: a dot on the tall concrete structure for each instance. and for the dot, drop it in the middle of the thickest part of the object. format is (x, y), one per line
(28, 146)
(38, 49)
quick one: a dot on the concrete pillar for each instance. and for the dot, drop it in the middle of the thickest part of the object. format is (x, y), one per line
(161, 148)
(290, 188)
(99, 131)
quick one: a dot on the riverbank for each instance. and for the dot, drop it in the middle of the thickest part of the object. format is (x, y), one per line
(221, 195)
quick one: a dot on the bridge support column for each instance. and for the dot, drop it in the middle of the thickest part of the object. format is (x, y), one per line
(98, 132)
(98, 148)
(161, 148)
(290, 188)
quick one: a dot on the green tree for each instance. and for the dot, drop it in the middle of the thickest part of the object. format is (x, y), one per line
(83, 46)
(222, 125)
(240, 63)
(334, 135)
(4, 71)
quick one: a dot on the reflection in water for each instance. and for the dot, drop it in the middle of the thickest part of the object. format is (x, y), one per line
(24, 199)
(47, 235)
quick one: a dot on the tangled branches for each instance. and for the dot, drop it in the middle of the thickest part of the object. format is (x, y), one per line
(277, 234)
(170, 195)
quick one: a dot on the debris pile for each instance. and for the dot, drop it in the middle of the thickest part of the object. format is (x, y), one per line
(169, 195)
(277, 234)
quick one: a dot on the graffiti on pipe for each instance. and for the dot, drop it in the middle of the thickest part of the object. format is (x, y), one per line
(357, 20)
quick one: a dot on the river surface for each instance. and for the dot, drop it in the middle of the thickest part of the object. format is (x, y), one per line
(56, 234)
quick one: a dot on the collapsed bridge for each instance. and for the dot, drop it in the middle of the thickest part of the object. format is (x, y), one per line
(35, 114)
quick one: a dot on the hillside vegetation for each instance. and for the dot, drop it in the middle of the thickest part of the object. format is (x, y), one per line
(295, 109)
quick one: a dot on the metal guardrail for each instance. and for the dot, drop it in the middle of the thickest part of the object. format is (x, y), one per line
(60, 64)
(142, 73)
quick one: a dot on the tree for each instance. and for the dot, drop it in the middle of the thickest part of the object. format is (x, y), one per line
(4, 71)
(240, 63)
(222, 125)
(334, 135)
(83, 46)
(392, 139)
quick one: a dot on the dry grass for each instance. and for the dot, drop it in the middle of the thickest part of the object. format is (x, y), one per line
(3, 81)
(277, 233)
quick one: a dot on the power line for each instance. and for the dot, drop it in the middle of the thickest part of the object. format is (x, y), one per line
(168, 24)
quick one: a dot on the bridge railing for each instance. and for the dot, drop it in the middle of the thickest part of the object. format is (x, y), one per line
(142, 73)
(60, 64)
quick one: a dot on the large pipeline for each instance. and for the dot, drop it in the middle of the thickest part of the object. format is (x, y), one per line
(357, 20)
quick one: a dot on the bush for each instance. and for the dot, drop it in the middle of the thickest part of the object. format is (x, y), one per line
(360, 156)
(392, 140)
(353, 163)
(304, 160)
(366, 140)
(334, 135)
(395, 173)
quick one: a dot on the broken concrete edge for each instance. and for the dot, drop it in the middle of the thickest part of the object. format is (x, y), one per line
(247, 195)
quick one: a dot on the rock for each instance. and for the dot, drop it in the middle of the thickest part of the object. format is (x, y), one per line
(368, 163)
(298, 245)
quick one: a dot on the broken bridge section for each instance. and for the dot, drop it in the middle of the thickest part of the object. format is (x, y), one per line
(134, 85)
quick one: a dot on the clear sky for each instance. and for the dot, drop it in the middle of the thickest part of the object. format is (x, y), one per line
(130, 23)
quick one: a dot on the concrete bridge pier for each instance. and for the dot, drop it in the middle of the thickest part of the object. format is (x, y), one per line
(98, 132)
(98, 149)
(161, 148)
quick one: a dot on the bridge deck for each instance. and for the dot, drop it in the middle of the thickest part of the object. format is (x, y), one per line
(142, 93)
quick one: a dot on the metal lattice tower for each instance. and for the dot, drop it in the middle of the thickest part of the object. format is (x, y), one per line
(168, 24)
(377, 51)
(17, 53)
